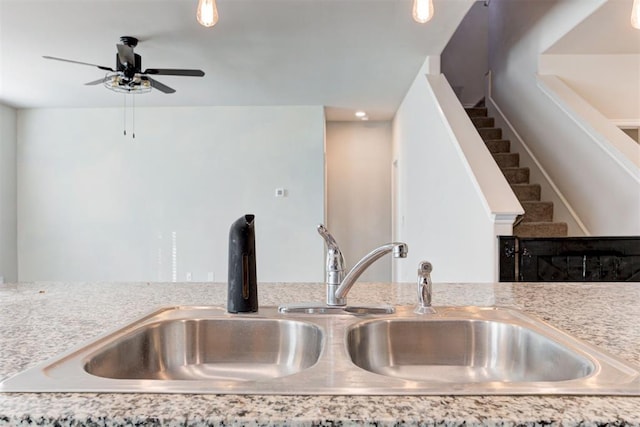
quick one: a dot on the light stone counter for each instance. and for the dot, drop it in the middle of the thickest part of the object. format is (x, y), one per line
(41, 320)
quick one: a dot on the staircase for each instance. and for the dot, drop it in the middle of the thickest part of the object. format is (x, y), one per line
(537, 220)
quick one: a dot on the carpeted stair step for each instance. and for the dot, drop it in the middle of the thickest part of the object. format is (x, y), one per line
(541, 229)
(476, 111)
(483, 122)
(488, 134)
(516, 175)
(498, 146)
(526, 192)
(507, 160)
(537, 211)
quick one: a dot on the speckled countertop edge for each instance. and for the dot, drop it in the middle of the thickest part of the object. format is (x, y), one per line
(40, 320)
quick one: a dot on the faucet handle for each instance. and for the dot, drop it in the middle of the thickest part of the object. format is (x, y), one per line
(334, 267)
(328, 238)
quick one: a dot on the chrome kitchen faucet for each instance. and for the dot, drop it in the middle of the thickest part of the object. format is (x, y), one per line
(338, 285)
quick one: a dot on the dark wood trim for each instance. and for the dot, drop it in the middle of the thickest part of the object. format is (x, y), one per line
(569, 259)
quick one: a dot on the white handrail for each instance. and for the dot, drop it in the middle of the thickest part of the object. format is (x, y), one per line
(495, 192)
(602, 131)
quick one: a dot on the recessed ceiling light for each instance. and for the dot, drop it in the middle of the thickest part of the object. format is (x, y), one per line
(361, 114)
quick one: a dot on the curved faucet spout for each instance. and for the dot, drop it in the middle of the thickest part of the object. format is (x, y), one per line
(399, 250)
(337, 286)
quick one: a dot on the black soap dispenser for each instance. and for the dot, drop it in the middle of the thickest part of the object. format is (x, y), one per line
(242, 295)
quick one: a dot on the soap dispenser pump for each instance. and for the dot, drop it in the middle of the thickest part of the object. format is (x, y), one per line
(242, 295)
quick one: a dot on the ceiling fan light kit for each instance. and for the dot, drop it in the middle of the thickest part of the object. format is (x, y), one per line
(137, 85)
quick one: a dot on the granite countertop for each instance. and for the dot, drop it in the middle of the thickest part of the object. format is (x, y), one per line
(41, 320)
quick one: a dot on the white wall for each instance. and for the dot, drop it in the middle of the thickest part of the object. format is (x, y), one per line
(359, 191)
(95, 205)
(8, 198)
(606, 197)
(465, 59)
(611, 83)
(437, 211)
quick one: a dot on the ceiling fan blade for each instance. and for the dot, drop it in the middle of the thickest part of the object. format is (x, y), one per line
(173, 72)
(95, 82)
(125, 54)
(161, 87)
(78, 62)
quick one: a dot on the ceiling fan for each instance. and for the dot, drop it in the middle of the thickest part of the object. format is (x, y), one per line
(128, 77)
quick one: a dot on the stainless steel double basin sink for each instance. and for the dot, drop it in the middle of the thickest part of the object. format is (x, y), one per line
(456, 351)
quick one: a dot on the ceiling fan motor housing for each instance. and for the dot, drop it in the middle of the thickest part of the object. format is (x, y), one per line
(129, 41)
(129, 71)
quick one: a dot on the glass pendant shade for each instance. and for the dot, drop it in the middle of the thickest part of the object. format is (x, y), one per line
(423, 10)
(635, 14)
(207, 14)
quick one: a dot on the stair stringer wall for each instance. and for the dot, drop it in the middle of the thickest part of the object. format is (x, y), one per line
(446, 210)
(562, 210)
(605, 196)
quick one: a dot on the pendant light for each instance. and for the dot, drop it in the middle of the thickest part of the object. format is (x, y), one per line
(207, 14)
(423, 10)
(635, 14)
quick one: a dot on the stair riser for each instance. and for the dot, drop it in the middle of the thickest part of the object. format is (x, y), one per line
(527, 192)
(476, 112)
(507, 160)
(516, 175)
(537, 211)
(498, 146)
(488, 134)
(483, 122)
(547, 229)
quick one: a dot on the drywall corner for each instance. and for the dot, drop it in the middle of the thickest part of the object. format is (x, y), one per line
(8, 195)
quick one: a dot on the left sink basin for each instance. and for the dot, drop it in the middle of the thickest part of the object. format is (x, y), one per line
(209, 349)
(181, 349)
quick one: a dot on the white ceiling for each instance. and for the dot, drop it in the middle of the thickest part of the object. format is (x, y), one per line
(343, 54)
(605, 32)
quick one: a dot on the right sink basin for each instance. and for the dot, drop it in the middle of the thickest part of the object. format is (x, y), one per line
(463, 351)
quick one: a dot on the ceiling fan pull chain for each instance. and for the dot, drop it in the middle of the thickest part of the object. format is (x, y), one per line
(125, 114)
(133, 125)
